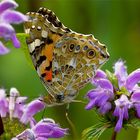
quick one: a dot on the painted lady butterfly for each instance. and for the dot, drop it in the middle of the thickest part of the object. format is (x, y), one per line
(65, 60)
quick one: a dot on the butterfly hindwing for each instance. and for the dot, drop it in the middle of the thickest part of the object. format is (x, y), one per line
(76, 58)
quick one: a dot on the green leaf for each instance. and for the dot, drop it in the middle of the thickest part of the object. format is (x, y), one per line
(23, 45)
(112, 78)
(95, 131)
(135, 123)
(138, 136)
(22, 38)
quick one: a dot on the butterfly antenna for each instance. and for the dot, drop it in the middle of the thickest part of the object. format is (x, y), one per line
(75, 137)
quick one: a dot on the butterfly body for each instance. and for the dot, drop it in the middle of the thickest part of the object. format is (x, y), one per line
(65, 60)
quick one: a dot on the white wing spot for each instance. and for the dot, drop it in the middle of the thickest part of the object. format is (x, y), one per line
(37, 42)
(39, 27)
(31, 47)
(33, 27)
(44, 34)
(34, 44)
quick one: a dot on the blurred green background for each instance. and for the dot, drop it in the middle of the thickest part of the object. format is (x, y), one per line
(115, 23)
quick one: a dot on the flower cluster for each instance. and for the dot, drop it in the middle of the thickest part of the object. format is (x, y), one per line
(44, 129)
(116, 93)
(16, 115)
(9, 16)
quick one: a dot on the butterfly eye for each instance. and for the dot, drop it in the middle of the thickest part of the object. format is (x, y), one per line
(91, 54)
(71, 47)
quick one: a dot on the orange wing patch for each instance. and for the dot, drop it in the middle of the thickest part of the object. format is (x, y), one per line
(46, 66)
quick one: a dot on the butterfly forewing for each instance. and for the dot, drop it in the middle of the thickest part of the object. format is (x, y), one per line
(53, 19)
(41, 42)
(65, 60)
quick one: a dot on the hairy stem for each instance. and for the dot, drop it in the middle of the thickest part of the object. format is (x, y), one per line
(1, 127)
(114, 135)
(74, 134)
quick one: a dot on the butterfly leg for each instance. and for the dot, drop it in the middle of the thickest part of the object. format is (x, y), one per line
(78, 101)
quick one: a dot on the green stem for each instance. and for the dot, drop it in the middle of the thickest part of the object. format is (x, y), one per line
(74, 133)
(114, 135)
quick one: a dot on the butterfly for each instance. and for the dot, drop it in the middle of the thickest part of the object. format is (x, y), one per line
(64, 60)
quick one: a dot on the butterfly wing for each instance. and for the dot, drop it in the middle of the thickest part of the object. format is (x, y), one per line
(53, 19)
(43, 33)
(64, 60)
(76, 59)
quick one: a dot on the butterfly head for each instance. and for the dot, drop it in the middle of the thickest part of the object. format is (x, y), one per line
(58, 99)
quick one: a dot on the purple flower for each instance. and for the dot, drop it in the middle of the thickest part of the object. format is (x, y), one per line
(120, 72)
(31, 109)
(43, 130)
(121, 110)
(132, 80)
(3, 103)
(101, 96)
(13, 105)
(135, 99)
(3, 49)
(14, 109)
(9, 16)
(116, 93)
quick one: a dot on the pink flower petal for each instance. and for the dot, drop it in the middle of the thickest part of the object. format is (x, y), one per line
(3, 49)
(10, 16)
(133, 79)
(7, 4)
(31, 109)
